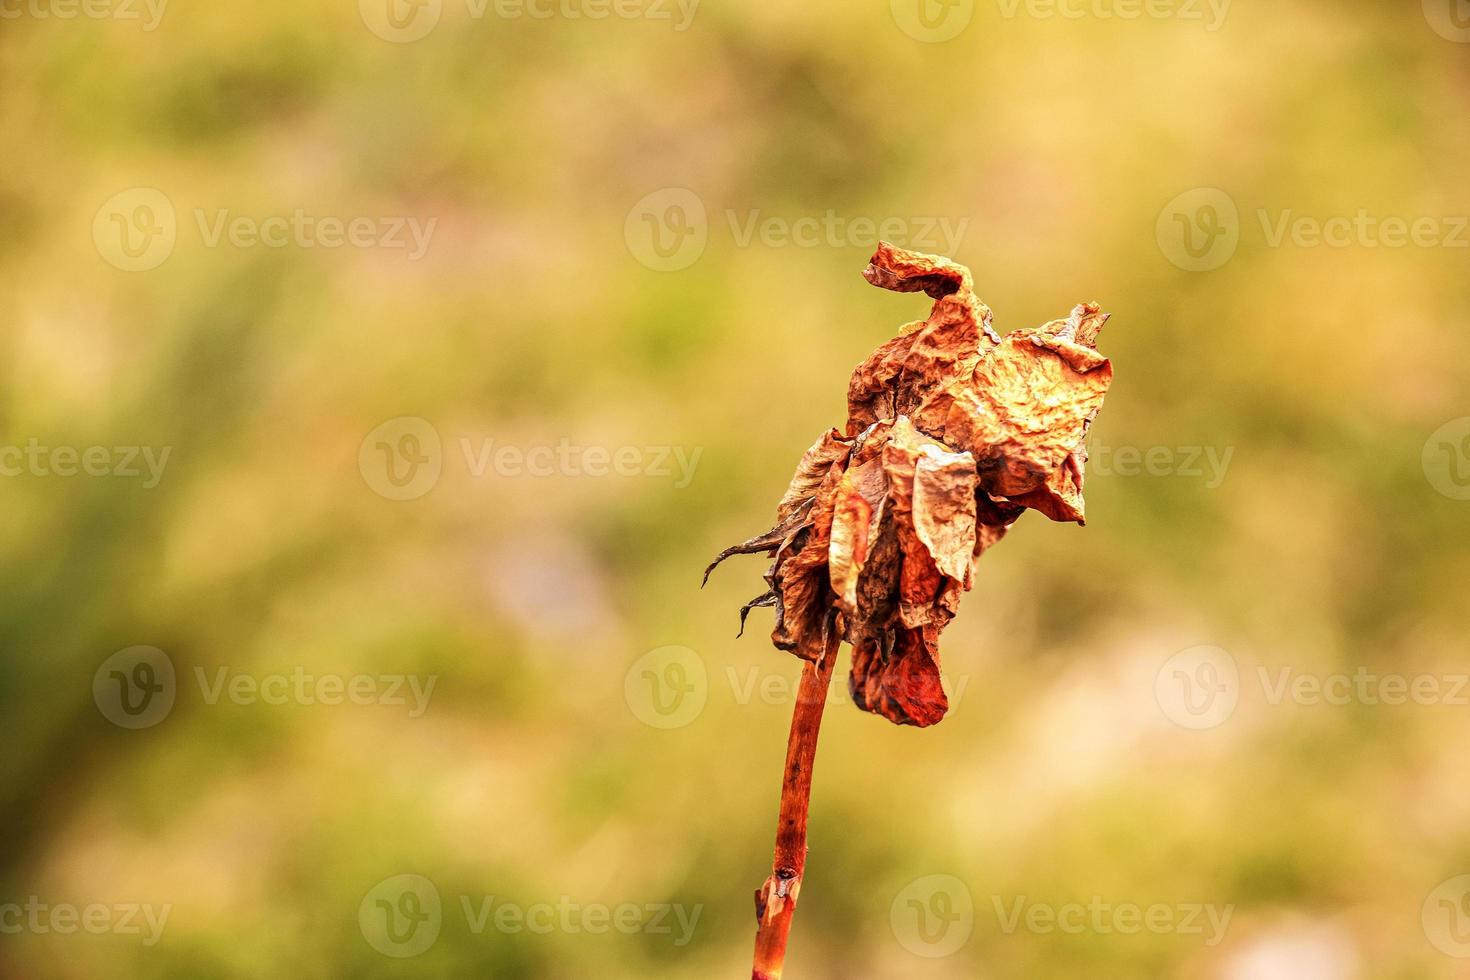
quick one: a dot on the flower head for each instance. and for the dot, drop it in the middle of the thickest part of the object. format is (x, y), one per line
(952, 433)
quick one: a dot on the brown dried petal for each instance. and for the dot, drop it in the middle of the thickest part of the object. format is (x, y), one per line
(912, 374)
(852, 520)
(811, 471)
(801, 579)
(920, 583)
(944, 509)
(904, 686)
(1060, 497)
(873, 610)
(903, 271)
(1028, 408)
(871, 389)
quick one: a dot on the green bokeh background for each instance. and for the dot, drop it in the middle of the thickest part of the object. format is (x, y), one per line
(1329, 545)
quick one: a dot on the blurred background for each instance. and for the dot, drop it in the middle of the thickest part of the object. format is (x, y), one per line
(378, 378)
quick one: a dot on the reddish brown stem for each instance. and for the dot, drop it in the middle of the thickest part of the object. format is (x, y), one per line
(775, 901)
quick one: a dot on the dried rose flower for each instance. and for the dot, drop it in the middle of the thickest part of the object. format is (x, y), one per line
(952, 433)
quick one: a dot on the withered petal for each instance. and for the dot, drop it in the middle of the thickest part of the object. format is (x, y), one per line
(815, 463)
(944, 509)
(1060, 497)
(1029, 406)
(904, 685)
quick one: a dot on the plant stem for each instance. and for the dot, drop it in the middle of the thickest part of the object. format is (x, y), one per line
(775, 901)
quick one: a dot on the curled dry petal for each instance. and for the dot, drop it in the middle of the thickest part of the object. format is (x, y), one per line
(952, 433)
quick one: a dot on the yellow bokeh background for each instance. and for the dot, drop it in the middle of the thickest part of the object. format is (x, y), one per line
(645, 231)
